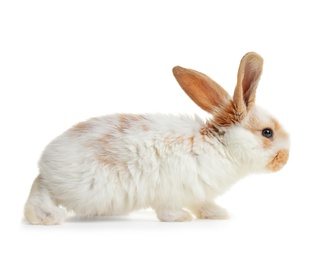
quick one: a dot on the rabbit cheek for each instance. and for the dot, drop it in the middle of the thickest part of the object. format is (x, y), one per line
(278, 161)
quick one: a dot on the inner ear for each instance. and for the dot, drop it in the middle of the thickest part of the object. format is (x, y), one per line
(205, 92)
(252, 72)
(249, 73)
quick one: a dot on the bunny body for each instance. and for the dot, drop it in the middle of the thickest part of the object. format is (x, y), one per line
(116, 164)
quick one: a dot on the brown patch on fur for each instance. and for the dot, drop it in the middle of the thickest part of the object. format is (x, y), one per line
(256, 125)
(278, 161)
(106, 159)
(126, 121)
(212, 127)
(82, 127)
(191, 140)
(182, 140)
(205, 131)
(106, 146)
(211, 131)
(145, 128)
(227, 114)
(171, 141)
(106, 150)
(106, 140)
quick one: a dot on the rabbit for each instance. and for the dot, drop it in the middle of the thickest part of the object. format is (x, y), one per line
(175, 165)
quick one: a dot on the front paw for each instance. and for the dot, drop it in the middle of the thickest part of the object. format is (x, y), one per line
(212, 211)
(173, 215)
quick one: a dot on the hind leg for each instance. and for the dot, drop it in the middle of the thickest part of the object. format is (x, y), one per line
(40, 208)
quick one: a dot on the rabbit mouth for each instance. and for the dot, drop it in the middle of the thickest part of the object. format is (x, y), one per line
(278, 161)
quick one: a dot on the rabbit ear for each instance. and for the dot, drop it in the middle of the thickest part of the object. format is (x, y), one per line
(206, 93)
(248, 77)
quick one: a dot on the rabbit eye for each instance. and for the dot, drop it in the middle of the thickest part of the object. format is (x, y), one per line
(267, 132)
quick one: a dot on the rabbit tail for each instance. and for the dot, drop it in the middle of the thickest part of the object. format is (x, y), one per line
(40, 207)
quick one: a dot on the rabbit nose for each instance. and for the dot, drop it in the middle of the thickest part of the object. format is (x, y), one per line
(278, 161)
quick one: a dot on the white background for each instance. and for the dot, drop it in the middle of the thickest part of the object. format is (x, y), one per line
(65, 61)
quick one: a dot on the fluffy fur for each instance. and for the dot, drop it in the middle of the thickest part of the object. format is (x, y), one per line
(119, 163)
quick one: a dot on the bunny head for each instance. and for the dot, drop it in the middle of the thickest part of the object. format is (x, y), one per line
(252, 137)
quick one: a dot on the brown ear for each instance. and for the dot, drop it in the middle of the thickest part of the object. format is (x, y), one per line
(248, 77)
(206, 93)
